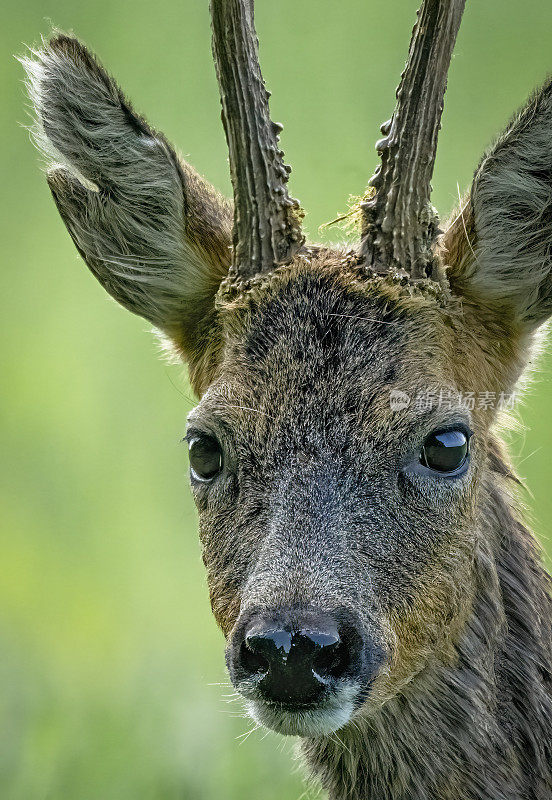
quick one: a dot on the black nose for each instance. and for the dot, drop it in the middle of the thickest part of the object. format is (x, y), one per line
(293, 658)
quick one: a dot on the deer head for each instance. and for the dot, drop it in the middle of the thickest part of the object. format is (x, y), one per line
(344, 535)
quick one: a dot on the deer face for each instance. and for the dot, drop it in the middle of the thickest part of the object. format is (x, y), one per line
(339, 519)
(325, 531)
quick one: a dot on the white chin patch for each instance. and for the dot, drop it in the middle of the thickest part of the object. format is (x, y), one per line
(323, 721)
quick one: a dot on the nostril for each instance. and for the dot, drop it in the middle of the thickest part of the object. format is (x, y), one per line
(252, 662)
(332, 661)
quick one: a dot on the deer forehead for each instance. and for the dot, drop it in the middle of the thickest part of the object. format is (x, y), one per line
(320, 350)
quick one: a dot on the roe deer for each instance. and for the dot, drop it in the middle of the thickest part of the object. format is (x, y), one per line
(366, 556)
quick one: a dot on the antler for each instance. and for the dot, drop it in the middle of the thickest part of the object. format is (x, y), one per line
(399, 225)
(267, 228)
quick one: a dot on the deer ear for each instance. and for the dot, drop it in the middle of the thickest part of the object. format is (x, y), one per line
(152, 231)
(499, 246)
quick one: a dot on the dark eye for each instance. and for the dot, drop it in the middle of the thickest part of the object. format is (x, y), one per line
(205, 457)
(445, 451)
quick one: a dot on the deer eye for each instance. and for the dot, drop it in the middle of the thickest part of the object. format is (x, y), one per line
(445, 451)
(205, 457)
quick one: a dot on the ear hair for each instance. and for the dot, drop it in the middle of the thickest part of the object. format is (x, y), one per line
(153, 232)
(507, 224)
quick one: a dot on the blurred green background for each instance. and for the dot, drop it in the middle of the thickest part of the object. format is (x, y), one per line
(109, 658)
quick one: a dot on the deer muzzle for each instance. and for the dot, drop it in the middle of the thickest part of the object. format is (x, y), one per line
(303, 671)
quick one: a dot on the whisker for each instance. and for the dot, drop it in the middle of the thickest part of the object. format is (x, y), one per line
(189, 400)
(247, 734)
(343, 745)
(462, 209)
(529, 456)
(360, 316)
(255, 410)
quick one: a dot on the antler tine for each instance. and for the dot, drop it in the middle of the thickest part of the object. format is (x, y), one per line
(267, 229)
(399, 225)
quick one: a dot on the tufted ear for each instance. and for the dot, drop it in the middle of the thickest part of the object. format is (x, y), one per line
(152, 231)
(499, 246)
